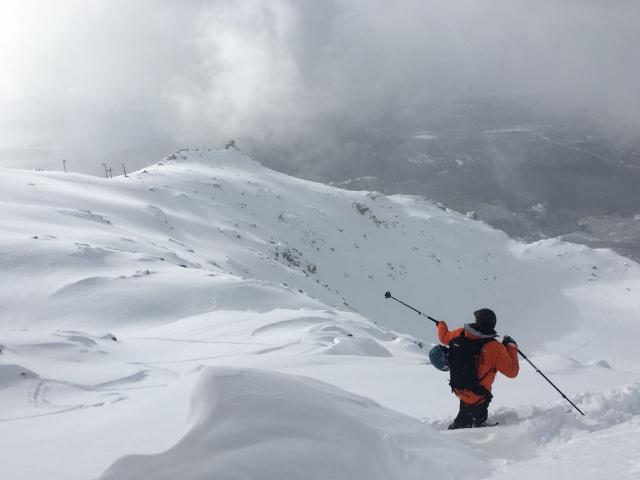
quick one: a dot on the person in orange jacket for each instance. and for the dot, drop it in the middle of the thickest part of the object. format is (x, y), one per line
(494, 357)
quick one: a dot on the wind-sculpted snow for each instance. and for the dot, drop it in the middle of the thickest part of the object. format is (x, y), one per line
(115, 293)
(358, 346)
(11, 374)
(556, 442)
(551, 425)
(603, 444)
(172, 227)
(260, 425)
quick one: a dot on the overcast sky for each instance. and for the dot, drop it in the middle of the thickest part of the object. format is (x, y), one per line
(112, 80)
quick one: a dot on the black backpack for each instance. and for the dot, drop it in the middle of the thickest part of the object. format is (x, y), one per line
(463, 360)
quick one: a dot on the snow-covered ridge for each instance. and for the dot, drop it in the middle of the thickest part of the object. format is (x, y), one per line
(115, 293)
(195, 215)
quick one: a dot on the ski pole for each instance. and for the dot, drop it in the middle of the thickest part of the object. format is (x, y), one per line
(388, 295)
(550, 382)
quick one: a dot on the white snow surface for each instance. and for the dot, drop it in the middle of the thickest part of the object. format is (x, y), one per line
(209, 318)
(254, 424)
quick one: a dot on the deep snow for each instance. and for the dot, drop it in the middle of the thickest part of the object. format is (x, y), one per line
(122, 300)
(254, 424)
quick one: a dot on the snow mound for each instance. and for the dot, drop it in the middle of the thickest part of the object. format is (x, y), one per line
(553, 424)
(11, 374)
(260, 425)
(603, 444)
(537, 432)
(366, 347)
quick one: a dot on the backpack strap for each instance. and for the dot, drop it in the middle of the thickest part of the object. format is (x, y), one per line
(484, 342)
(479, 389)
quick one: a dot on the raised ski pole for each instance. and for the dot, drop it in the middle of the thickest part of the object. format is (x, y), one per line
(388, 295)
(550, 382)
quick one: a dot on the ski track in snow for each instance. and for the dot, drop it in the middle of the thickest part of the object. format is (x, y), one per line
(142, 316)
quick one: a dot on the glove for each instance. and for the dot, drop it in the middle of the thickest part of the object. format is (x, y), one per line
(508, 340)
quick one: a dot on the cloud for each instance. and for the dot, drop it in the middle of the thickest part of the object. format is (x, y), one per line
(96, 80)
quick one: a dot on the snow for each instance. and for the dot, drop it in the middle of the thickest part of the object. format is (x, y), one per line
(425, 136)
(211, 315)
(254, 424)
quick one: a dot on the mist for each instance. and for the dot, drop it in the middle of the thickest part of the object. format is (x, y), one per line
(128, 82)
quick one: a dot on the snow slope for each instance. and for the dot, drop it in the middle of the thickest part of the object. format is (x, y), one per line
(121, 300)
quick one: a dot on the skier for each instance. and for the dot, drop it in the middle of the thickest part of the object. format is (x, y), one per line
(474, 358)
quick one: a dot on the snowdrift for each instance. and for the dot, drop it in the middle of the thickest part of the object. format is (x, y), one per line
(258, 425)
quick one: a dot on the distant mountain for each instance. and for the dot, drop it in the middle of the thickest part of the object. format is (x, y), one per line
(529, 174)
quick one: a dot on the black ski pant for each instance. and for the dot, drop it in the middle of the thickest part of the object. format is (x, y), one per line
(472, 415)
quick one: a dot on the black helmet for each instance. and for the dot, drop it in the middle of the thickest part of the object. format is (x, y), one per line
(485, 321)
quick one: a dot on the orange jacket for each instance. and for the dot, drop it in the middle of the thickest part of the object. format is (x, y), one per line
(494, 357)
